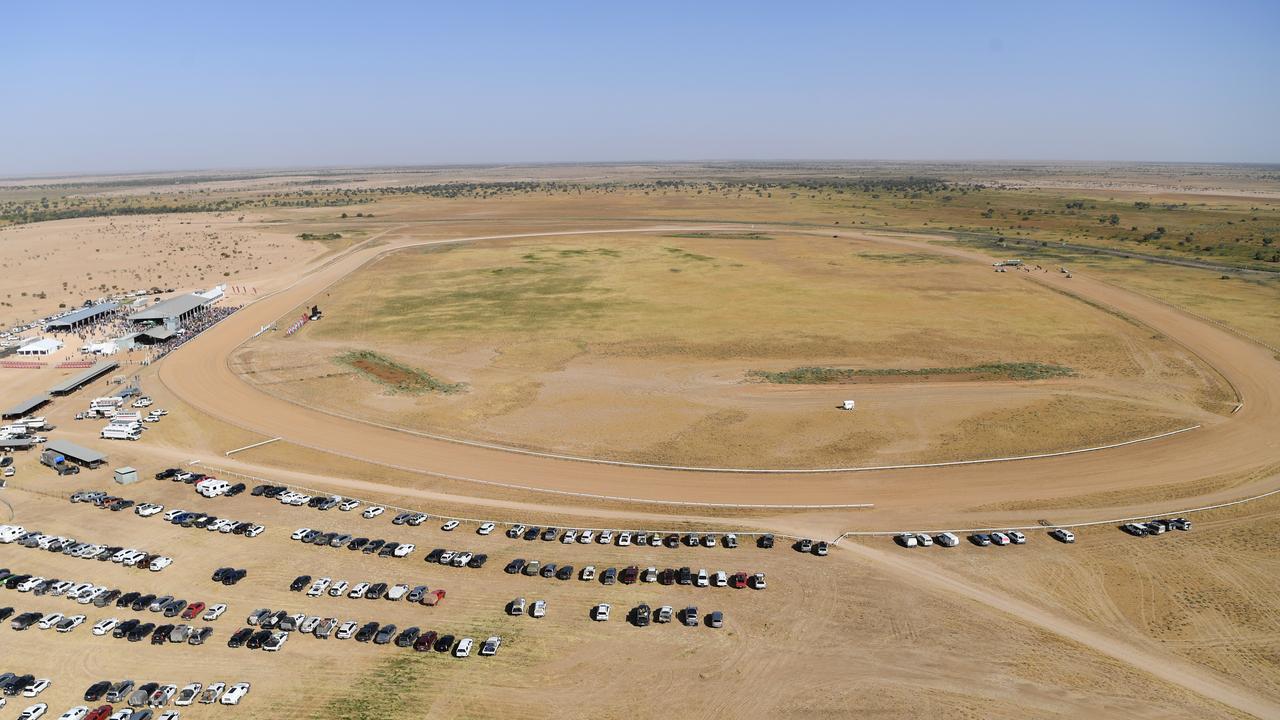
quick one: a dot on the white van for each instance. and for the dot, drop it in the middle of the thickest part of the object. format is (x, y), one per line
(111, 432)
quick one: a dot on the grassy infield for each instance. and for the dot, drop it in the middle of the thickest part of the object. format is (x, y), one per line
(825, 375)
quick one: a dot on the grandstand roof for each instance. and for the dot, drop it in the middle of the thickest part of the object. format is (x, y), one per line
(79, 316)
(174, 307)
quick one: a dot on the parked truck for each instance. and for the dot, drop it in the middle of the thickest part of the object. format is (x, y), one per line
(58, 462)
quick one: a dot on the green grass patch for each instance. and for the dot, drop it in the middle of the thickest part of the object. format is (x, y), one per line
(907, 258)
(827, 375)
(400, 378)
(322, 238)
(685, 254)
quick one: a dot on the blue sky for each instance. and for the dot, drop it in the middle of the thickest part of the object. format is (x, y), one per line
(131, 86)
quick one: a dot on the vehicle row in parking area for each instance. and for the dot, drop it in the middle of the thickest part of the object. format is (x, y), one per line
(158, 695)
(383, 548)
(271, 624)
(87, 593)
(641, 615)
(981, 539)
(129, 557)
(1156, 527)
(632, 574)
(419, 594)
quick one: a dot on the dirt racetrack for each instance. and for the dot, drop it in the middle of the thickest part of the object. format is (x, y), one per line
(199, 374)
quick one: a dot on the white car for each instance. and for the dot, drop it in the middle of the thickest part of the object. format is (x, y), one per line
(588, 573)
(606, 537)
(338, 588)
(347, 629)
(569, 536)
(490, 646)
(36, 688)
(947, 539)
(600, 613)
(403, 550)
(71, 623)
(212, 693)
(76, 713)
(297, 534)
(450, 526)
(148, 509)
(999, 538)
(757, 581)
(464, 648)
(188, 694)
(50, 620)
(701, 580)
(169, 715)
(720, 579)
(358, 591)
(234, 693)
(924, 540)
(907, 540)
(213, 612)
(348, 505)
(461, 559)
(37, 711)
(372, 512)
(1017, 537)
(142, 402)
(485, 529)
(318, 587)
(1062, 535)
(624, 539)
(397, 591)
(587, 536)
(539, 609)
(162, 695)
(169, 516)
(160, 563)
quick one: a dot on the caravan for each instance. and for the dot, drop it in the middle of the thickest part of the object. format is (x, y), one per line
(119, 432)
(106, 403)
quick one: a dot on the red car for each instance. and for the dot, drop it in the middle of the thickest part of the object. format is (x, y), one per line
(102, 712)
(629, 575)
(433, 598)
(739, 580)
(192, 611)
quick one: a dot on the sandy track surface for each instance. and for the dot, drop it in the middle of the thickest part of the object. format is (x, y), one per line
(199, 374)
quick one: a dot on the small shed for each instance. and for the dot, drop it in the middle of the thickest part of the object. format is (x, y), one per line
(126, 475)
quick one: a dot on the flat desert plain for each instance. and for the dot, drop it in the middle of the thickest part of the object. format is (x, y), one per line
(480, 325)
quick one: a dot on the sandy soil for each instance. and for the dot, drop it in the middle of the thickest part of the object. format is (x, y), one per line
(1179, 626)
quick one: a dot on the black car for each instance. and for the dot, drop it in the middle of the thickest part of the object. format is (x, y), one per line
(667, 576)
(125, 628)
(376, 591)
(565, 572)
(97, 690)
(160, 635)
(444, 643)
(141, 602)
(434, 555)
(514, 566)
(175, 607)
(233, 577)
(140, 631)
(357, 543)
(684, 576)
(235, 490)
(478, 561)
(255, 640)
(217, 574)
(548, 570)
(640, 615)
(384, 634)
(239, 637)
(532, 533)
(765, 541)
(26, 620)
(106, 598)
(373, 546)
(366, 633)
(671, 541)
(407, 637)
(18, 684)
(258, 490)
(162, 475)
(300, 582)
(388, 549)
(5, 613)
(609, 576)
